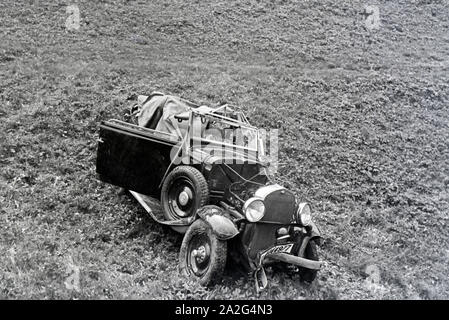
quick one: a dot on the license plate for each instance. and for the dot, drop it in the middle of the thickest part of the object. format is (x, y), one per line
(283, 248)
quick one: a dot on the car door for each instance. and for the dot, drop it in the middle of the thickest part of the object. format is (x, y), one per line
(133, 157)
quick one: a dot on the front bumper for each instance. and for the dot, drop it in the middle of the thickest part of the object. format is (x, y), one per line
(298, 261)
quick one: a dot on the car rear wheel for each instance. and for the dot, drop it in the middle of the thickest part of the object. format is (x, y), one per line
(202, 255)
(184, 191)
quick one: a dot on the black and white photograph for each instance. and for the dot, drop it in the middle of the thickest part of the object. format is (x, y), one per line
(249, 151)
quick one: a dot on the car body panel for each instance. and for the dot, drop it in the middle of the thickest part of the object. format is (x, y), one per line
(123, 157)
(222, 226)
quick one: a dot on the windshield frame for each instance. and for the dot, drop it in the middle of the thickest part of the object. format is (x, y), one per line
(241, 123)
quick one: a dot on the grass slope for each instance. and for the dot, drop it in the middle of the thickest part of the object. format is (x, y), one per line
(362, 115)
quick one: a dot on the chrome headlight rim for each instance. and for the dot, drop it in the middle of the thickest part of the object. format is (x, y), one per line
(246, 207)
(304, 214)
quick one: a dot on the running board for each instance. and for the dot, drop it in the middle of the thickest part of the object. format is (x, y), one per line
(181, 222)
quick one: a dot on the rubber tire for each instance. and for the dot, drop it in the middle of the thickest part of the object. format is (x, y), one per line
(198, 181)
(311, 252)
(219, 249)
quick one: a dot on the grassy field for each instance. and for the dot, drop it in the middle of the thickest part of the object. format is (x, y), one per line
(364, 135)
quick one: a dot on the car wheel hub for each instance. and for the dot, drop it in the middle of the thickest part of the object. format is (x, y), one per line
(183, 198)
(199, 256)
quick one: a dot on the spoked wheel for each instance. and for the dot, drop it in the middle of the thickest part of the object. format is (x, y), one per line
(202, 255)
(183, 192)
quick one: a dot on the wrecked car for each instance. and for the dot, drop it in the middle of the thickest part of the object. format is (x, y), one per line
(207, 167)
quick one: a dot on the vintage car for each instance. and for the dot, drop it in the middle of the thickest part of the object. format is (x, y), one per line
(207, 167)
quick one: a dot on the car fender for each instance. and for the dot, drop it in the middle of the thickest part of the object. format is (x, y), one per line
(221, 226)
(314, 232)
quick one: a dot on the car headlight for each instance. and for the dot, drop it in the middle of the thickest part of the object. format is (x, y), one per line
(304, 214)
(254, 209)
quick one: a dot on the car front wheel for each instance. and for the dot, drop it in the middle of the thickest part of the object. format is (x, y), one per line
(311, 253)
(202, 255)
